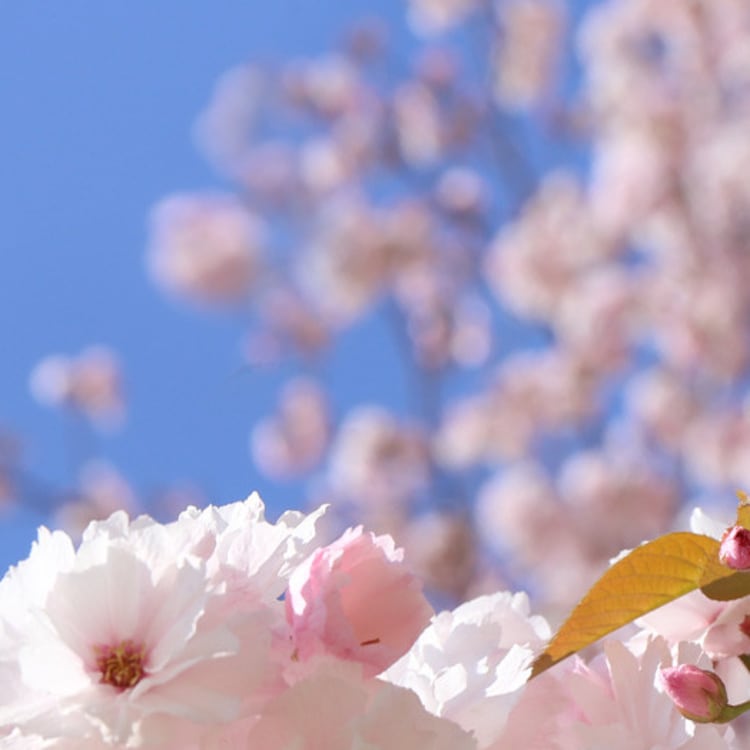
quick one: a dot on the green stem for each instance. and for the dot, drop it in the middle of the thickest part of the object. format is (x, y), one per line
(732, 712)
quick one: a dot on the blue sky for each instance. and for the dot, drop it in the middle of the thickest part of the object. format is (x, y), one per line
(98, 101)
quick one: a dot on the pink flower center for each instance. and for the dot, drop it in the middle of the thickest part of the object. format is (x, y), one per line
(122, 666)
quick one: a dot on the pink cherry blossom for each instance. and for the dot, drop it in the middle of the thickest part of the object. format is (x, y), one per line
(336, 709)
(150, 634)
(688, 618)
(117, 650)
(469, 665)
(356, 599)
(614, 703)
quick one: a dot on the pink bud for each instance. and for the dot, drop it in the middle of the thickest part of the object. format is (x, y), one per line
(735, 548)
(699, 695)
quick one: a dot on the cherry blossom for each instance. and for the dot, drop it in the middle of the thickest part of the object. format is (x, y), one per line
(615, 703)
(470, 664)
(355, 599)
(205, 247)
(90, 383)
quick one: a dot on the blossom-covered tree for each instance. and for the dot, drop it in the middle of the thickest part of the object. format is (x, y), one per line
(546, 205)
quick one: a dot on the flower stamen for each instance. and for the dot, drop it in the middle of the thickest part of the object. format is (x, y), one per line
(121, 666)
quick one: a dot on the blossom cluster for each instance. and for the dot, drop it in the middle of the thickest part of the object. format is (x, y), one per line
(217, 630)
(222, 630)
(574, 337)
(572, 342)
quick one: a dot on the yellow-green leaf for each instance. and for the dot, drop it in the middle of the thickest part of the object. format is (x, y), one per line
(726, 584)
(648, 577)
(732, 586)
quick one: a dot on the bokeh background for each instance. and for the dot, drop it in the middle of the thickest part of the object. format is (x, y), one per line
(475, 273)
(99, 102)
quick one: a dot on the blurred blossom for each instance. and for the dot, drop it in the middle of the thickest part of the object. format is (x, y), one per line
(438, 67)
(205, 247)
(8, 488)
(471, 342)
(428, 17)
(526, 54)
(90, 384)
(717, 192)
(367, 39)
(445, 330)
(464, 434)
(461, 191)
(292, 321)
(418, 124)
(532, 263)
(664, 404)
(588, 256)
(716, 447)
(378, 459)
(630, 176)
(359, 137)
(531, 392)
(518, 510)
(520, 517)
(169, 501)
(323, 165)
(11, 451)
(598, 318)
(269, 171)
(615, 504)
(344, 268)
(294, 440)
(699, 319)
(442, 551)
(359, 251)
(553, 387)
(225, 127)
(101, 490)
(621, 46)
(329, 86)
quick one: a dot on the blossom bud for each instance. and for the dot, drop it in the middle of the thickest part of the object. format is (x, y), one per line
(735, 548)
(698, 694)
